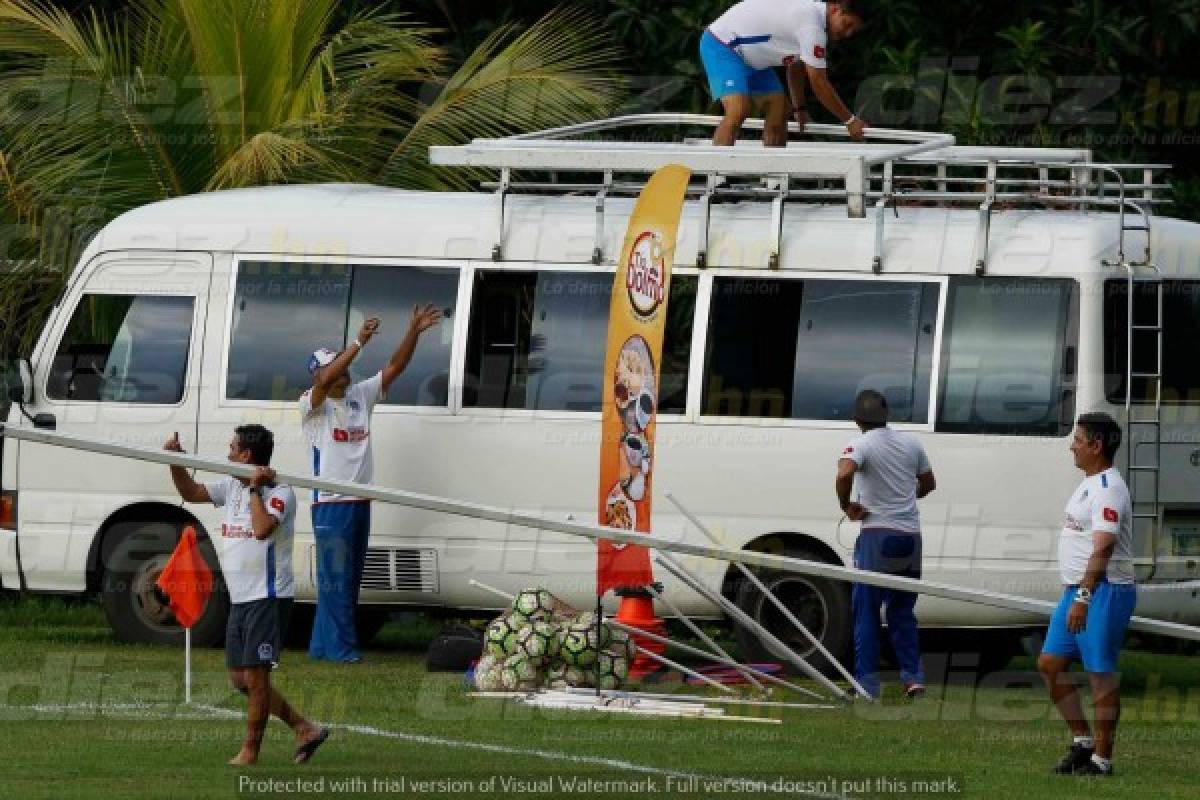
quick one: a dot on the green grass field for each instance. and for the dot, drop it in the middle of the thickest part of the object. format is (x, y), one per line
(84, 716)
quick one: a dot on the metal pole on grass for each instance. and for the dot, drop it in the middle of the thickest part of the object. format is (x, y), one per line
(681, 572)
(694, 628)
(783, 609)
(687, 648)
(697, 698)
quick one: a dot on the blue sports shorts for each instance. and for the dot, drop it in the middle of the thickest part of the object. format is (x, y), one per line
(1099, 645)
(728, 74)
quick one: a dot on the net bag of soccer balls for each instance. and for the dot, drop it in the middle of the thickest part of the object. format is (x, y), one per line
(542, 642)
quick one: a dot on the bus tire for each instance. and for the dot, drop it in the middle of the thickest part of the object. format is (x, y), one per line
(822, 605)
(135, 609)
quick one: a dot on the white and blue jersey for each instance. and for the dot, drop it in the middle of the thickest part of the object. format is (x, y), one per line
(255, 569)
(775, 33)
(339, 432)
(1101, 504)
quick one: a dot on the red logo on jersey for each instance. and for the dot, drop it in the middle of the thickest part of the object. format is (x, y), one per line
(1110, 514)
(848, 451)
(787, 62)
(819, 51)
(352, 435)
(277, 504)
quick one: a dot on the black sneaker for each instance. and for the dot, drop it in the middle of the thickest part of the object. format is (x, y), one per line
(914, 691)
(1075, 758)
(1091, 769)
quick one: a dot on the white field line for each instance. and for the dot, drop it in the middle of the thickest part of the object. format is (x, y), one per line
(167, 712)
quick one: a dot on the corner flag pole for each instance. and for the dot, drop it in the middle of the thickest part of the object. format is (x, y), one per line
(187, 666)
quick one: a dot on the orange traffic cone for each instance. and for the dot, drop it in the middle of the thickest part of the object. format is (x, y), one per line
(637, 611)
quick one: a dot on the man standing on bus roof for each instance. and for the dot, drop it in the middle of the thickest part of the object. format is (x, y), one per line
(336, 417)
(892, 472)
(1095, 559)
(743, 48)
(256, 564)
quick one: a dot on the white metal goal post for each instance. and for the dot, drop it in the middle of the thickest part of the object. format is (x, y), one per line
(594, 532)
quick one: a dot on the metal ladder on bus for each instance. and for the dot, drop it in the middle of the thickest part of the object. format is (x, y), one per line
(1145, 417)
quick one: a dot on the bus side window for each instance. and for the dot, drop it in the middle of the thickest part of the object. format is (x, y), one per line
(1004, 357)
(390, 293)
(537, 341)
(124, 349)
(284, 311)
(281, 314)
(1181, 331)
(803, 349)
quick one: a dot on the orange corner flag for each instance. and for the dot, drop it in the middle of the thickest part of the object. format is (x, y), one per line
(187, 580)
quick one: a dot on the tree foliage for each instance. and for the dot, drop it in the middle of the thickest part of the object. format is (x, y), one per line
(107, 109)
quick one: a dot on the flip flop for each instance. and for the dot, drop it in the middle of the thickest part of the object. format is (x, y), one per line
(305, 751)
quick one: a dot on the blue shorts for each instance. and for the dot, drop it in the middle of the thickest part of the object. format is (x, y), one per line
(1099, 645)
(728, 74)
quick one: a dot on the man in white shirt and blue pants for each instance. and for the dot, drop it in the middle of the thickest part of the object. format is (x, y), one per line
(742, 49)
(891, 471)
(1095, 558)
(336, 417)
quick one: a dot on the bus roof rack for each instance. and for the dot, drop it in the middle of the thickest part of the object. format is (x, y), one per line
(892, 167)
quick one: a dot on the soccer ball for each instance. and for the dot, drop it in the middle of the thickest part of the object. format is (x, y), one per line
(609, 682)
(538, 640)
(500, 638)
(576, 677)
(579, 647)
(487, 674)
(623, 644)
(534, 604)
(556, 675)
(600, 638)
(520, 673)
(612, 670)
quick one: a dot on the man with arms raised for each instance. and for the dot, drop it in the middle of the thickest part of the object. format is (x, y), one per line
(1095, 559)
(743, 48)
(336, 415)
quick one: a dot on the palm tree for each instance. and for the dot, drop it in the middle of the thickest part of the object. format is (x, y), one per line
(171, 97)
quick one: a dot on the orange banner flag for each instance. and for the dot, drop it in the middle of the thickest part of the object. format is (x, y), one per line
(636, 326)
(186, 580)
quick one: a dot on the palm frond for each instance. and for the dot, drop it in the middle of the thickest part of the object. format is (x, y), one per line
(554, 73)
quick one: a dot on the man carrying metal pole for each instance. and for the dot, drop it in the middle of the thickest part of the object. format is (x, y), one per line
(1095, 557)
(892, 472)
(255, 552)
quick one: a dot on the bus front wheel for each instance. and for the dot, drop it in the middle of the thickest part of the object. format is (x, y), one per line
(136, 609)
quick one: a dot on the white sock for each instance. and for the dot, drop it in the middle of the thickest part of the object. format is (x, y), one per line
(1103, 763)
(1086, 741)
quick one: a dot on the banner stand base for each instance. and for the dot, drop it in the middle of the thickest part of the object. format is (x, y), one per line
(637, 611)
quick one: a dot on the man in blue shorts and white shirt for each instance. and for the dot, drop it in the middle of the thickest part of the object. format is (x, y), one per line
(1095, 559)
(255, 552)
(744, 47)
(336, 416)
(891, 471)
